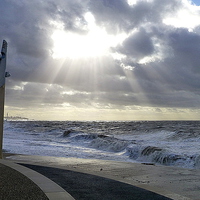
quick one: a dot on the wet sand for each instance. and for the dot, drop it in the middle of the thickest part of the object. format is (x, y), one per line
(172, 182)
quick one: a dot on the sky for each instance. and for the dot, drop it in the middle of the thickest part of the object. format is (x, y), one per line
(102, 59)
(196, 2)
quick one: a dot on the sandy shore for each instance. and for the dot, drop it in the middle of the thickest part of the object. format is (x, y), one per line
(175, 183)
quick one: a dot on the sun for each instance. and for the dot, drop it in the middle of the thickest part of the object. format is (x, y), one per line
(96, 43)
(75, 46)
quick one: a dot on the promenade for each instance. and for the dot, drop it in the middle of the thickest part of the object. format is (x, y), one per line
(76, 178)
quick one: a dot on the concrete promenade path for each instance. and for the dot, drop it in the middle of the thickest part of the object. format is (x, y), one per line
(173, 183)
(92, 187)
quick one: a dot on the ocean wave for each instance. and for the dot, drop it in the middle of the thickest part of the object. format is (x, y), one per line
(98, 141)
(165, 143)
(185, 135)
(157, 155)
(133, 149)
(109, 144)
(78, 135)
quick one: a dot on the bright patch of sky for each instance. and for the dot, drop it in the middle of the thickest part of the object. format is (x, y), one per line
(196, 2)
(187, 17)
(95, 43)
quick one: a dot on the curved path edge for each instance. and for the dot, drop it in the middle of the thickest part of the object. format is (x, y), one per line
(50, 188)
(130, 173)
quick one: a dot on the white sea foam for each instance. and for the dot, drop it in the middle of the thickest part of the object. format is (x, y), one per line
(165, 143)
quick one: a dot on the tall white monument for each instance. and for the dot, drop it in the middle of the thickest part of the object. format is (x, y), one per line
(3, 74)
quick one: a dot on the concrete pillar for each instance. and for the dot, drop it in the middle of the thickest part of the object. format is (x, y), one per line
(2, 94)
(2, 91)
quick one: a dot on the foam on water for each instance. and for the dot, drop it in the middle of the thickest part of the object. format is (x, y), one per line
(165, 143)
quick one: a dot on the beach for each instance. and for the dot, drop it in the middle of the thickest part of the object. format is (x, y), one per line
(172, 182)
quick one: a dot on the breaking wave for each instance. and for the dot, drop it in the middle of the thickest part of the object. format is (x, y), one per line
(135, 151)
(164, 143)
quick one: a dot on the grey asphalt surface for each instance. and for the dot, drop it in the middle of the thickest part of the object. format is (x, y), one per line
(84, 186)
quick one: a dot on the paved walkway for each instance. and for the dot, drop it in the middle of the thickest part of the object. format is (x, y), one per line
(101, 179)
(90, 187)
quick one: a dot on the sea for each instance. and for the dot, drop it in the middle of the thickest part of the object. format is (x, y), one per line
(169, 143)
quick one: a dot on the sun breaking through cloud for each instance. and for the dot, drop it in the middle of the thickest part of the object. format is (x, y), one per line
(95, 42)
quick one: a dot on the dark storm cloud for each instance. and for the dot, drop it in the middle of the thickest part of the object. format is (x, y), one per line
(23, 25)
(118, 15)
(138, 45)
(186, 47)
(169, 79)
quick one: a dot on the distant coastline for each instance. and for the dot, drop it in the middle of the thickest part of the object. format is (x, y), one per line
(15, 118)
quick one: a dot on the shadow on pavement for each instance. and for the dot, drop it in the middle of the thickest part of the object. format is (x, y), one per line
(85, 186)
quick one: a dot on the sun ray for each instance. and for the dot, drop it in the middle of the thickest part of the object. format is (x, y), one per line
(96, 42)
(141, 94)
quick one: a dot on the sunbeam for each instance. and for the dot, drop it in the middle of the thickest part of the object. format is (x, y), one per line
(94, 42)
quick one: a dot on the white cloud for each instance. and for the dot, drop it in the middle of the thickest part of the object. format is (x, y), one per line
(187, 17)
